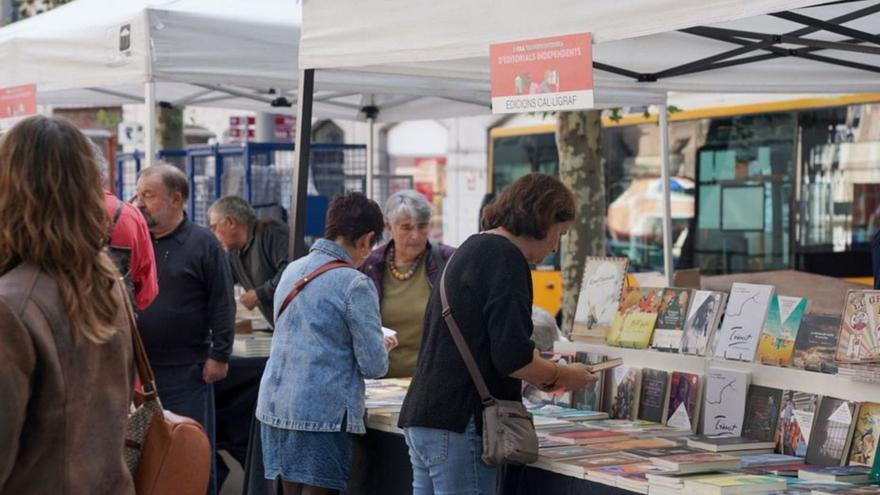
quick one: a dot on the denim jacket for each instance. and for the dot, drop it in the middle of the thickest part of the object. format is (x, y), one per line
(325, 343)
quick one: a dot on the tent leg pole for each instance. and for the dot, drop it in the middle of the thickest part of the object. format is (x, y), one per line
(667, 198)
(150, 147)
(302, 150)
(371, 160)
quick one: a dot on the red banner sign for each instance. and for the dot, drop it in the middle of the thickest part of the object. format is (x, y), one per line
(542, 75)
(18, 101)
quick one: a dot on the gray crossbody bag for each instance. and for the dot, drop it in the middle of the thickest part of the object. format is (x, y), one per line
(508, 431)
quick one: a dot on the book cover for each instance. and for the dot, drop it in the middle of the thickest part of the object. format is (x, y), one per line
(727, 443)
(671, 318)
(599, 297)
(586, 437)
(762, 413)
(654, 395)
(595, 462)
(748, 483)
(832, 431)
(664, 451)
(816, 343)
(795, 422)
(625, 389)
(636, 316)
(769, 460)
(859, 338)
(643, 443)
(724, 401)
(864, 440)
(590, 397)
(684, 401)
(856, 490)
(704, 314)
(572, 451)
(744, 318)
(698, 459)
(784, 318)
(852, 474)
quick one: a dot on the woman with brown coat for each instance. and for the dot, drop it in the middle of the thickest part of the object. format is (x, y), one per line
(66, 371)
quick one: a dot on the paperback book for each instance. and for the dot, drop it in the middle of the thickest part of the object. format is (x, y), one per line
(795, 422)
(654, 398)
(816, 343)
(729, 444)
(599, 297)
(636, 317)
(671, 319)
(684, 401)
(763, 405)
(864, 440)
(625, 390)
(735, 484)
(832, 432)
(724, 400)
(704, 315)
(702, 462)
(590, 397)
(859, 339)
(743, 322)
(784, 318)
(849, 474)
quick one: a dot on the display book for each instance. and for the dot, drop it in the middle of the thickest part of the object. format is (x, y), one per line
(858, 345)
(599, 298)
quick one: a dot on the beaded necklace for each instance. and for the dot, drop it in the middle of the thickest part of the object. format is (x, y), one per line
(403, 277)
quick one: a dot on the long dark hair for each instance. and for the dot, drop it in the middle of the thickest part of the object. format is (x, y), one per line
(52, 206)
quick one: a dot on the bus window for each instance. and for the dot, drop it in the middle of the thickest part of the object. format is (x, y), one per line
(515, 156)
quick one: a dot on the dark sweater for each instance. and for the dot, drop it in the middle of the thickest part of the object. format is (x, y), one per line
(490, 292)
(193, 316)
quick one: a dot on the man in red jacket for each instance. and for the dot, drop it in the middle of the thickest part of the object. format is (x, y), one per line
(130, 245)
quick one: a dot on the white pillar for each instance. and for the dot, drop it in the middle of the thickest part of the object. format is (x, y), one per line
(667, 198)
(150, 147)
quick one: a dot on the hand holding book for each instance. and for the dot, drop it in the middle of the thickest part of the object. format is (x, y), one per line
(570, 377)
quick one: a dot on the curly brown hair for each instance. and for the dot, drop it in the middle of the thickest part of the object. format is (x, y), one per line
(52, 206)
(530, 206)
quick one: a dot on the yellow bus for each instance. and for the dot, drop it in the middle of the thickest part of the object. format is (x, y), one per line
(761, 186)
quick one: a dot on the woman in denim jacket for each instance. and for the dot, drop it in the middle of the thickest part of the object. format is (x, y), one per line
(326, 341)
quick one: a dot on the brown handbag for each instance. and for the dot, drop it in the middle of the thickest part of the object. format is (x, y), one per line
(166, 453)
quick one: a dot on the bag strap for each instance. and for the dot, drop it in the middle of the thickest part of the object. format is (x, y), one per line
(437, 255)
(462, 345)
(142, 363)
(298, 287)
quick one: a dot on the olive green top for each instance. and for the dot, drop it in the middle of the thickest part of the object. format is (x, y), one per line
(403, 310)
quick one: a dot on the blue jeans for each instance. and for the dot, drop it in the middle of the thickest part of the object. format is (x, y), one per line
(448, 463)
(183, 392)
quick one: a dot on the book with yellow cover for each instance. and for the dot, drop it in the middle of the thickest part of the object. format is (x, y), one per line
(640, 318)
(781, 327)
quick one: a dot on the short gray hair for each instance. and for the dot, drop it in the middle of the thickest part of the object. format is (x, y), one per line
(235, 207)
(408, 203)
(172, 178)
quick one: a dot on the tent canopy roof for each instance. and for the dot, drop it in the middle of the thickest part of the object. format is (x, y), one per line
(789, 46)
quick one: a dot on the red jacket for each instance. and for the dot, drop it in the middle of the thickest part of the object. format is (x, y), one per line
(131, 232)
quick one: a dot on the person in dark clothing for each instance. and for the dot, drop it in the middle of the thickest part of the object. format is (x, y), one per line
(490, 295)
(257, 250)
(258, 253)
(188, 330)
(875, 259)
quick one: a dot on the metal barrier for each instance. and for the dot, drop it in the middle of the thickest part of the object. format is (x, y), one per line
(262, 173)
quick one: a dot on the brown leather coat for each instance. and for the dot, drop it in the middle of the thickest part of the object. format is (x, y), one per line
(64, 400)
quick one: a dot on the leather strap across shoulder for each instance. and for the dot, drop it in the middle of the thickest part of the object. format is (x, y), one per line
(462, 345)
(298, 287)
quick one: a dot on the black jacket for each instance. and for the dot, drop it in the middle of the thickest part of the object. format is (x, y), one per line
(259, 264)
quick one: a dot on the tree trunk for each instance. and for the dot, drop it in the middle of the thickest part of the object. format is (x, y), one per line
(169, 132)
(579, 139)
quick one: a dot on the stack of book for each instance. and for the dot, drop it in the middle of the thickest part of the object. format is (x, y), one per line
(257, 344)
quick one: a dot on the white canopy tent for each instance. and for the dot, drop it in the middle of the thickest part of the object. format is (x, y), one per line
(642, 48)
(219, 53)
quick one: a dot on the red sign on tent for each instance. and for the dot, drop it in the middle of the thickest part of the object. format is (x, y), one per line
(542, 75)
(18, 101)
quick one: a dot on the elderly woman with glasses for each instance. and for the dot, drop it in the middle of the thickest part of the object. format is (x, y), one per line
(404, 270)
